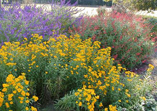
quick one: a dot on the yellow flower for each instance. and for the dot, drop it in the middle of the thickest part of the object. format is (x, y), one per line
(23, 93)
(1, 101)
(33, 108)
(112, 108)
(88, 97)
(5, 85)
(11, 102)
(4, 89)
(27, 108)
(80, 104)
(25, 39)
(106, 109)
(21, 98)
(126, 90)
(14, 92)
(7, 105)
(21, 102)
(100, 105)
(143, 98)
(151, 67)
(10, 64)
(85, 76)
(97, 97)
(27, 101)
(119, 101)
(107, 84)
(10, 97)
(19, 89)
(127, 101)
(119, 89)
(23, 74)
(26, 82)
(17, 79)
(112, 88)
(35, 98)
(76, 93)
(128, 95)
(72, 72)
(27, 94)
(129, 79)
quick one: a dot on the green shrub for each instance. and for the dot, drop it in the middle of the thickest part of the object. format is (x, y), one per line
(137, 5)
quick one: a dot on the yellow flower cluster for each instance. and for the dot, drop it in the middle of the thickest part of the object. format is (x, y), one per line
(143, 98)
(151, 67)
(101, 76)
(79, 58)
(111, 108)
(14, 92)
(88, 95)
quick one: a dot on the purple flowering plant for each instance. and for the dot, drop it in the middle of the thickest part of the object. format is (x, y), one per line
(20, 21)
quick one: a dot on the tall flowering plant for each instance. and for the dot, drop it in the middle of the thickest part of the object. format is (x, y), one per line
(128, 36)
(17, 22)
(15, 94)
(62, 65)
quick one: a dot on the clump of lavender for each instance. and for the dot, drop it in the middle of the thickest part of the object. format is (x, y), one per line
(17, 22)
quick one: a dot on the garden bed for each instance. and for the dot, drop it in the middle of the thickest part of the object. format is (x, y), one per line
(55, 60)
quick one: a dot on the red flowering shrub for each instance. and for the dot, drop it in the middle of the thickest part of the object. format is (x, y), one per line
(127, 34)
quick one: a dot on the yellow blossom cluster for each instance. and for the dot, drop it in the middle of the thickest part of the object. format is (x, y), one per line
(15, 93)
(88, 95)
(111, 108)
(151, 67)
(78, 60)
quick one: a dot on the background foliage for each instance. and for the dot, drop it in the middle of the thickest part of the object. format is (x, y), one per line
(136, 4)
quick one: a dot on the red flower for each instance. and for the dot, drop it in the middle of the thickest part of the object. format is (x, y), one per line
(94, 37)
(115, 56)
(121, 37)
(104, 31)
(96, 27)
(138, 53)
(144, 61)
